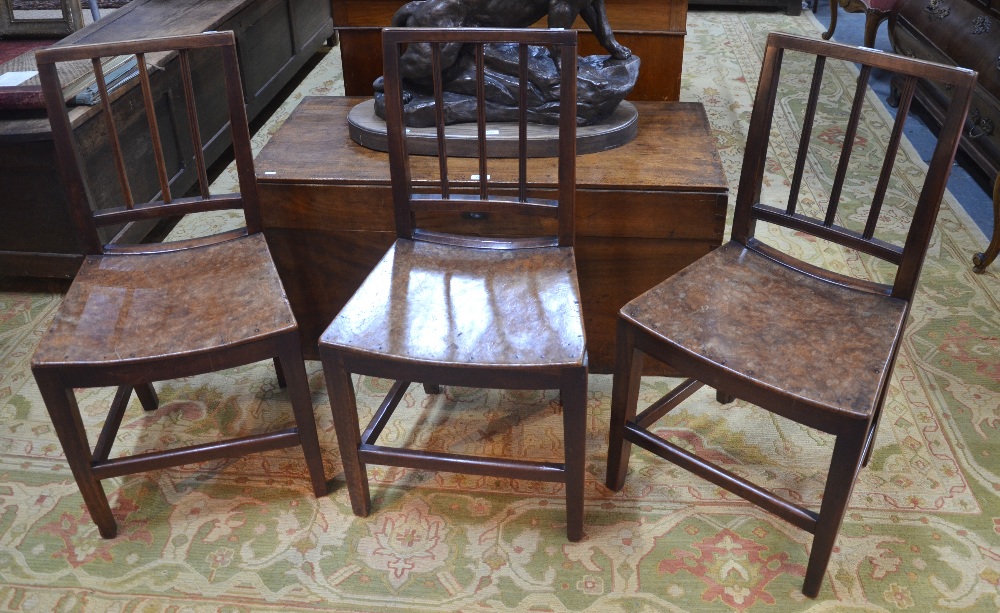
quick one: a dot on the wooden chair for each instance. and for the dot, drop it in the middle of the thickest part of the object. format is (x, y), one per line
(876, 11)
(149, 312)
(800, 341)
(411, 320)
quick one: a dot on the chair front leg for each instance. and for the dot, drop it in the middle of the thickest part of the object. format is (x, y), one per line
(574, 403)
(292, 366)
(624, 398)
(344, 407)
(844, 467)
(65, 415)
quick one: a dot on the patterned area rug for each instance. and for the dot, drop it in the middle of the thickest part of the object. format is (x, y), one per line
(921, 534)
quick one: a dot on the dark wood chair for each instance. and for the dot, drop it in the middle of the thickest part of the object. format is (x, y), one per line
(800, 341)
(411, 320)
(876, 11)
(149, 312)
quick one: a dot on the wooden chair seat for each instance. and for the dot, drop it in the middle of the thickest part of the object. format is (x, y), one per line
(169, 305)
(441, 304)
(759, 322)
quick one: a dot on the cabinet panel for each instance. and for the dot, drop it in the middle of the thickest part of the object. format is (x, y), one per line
(964, 33)
(265, 43)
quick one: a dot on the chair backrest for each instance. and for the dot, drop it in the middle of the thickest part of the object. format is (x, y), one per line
(452, 195)
(841, 129)
(155, 128)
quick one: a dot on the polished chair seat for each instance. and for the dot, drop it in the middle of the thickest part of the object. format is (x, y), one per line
(442, 304)
(172, 305)
(775, 328)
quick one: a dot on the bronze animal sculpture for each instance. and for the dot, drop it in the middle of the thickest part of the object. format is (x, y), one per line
(415, 62)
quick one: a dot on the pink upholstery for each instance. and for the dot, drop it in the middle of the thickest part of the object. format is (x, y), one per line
(881, 5)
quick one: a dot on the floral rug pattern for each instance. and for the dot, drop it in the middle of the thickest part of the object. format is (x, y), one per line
(922, 533)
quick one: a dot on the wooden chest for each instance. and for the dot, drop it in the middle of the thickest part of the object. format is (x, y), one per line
(644, 211)
(653, 29)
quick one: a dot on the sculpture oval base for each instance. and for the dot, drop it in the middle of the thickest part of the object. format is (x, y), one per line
(368, 130)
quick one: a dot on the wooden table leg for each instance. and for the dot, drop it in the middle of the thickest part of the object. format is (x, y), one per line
(981, 260)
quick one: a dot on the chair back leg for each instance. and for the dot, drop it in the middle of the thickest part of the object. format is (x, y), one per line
(624, 400)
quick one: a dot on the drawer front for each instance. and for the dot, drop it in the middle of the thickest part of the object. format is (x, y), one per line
(962, 32)
(649, 215)
(981, 138)
(984, 127)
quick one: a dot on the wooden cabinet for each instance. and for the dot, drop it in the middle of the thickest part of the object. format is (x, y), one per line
(964, 33)
(275, 38)
(644, 211)
(653, 29)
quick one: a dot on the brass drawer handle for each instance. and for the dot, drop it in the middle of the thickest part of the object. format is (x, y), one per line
(984, 125)
(982, 25)
(938, 8)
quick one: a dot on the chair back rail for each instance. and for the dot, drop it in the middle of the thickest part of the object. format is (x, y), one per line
(908, 257)
(407, 203)
(164, 203)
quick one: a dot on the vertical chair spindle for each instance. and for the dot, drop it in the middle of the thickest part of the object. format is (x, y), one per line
(109, 121)
(154, 129)
(193, 125)
(807, 126)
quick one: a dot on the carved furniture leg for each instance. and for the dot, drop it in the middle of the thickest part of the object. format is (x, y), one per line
(833, 20)
(147, 396)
